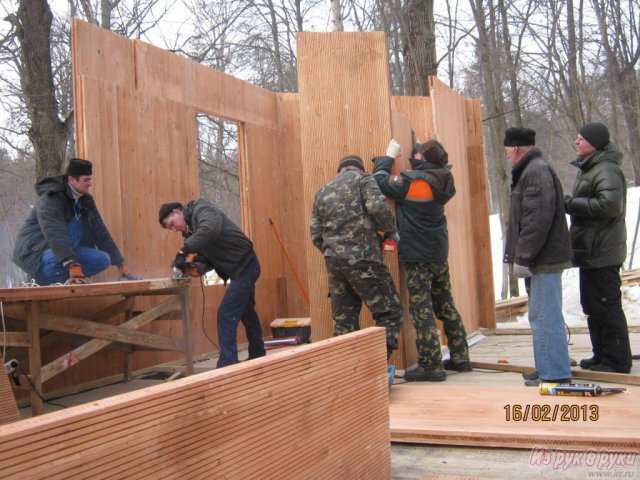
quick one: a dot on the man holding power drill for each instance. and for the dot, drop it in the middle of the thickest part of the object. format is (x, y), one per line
(220, 245)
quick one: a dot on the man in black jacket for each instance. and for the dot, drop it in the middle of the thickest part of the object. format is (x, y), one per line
(220, 245)
(64, 238)
(599, 241)
(538, 246)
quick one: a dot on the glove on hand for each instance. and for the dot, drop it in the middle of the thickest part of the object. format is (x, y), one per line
(76, 276)
(521, 271)
(126, 275)
(567, 203)
(180, 262)
(394, 150)
(392, 236)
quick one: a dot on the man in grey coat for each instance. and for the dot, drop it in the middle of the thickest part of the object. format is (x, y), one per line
(538, 246)
(599, 242)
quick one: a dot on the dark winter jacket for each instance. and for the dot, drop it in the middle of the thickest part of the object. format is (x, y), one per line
(216, 239)
(420, 195)
(46, 227)
(348, 212)
(598, 210)
(537, 234)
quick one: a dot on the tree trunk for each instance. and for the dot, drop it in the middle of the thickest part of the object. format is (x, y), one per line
(575, 104)
(336, 16)
(47, 133)
(418, 30)
(277, 58)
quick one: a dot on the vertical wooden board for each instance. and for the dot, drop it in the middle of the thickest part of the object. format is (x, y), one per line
(165, 74)
(450, 129)
(419, 111)
(290, 217)
(479, 197)
(100, 54)
(99, 143)
(8, 407)
(344, 109)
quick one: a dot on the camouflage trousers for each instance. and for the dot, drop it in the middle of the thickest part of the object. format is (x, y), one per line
(354, 282)
(430, 292)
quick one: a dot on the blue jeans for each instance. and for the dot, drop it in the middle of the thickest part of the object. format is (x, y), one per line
(51, 270)
(550, 350)
(239, 304)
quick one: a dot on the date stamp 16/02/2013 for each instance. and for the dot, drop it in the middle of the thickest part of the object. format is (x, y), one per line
(551, 413)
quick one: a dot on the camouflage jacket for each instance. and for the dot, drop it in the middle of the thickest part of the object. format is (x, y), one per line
(348, 212)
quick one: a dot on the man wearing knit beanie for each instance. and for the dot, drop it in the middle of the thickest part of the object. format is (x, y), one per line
(64, 239)
(599, 242)
(348, 212)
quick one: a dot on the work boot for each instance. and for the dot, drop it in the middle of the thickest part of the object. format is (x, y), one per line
(530, 375)
(601, 367)
(458, 367)
(587, 363)
(537, 382)
(419, 375)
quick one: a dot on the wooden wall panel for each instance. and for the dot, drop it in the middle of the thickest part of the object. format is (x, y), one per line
(165, 74)
(419, 110)
(293, 210)
(344, 109)
(8, 408)
(285, 416)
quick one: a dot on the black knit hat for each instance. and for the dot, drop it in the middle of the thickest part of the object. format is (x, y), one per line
(78, 167)
(519, 137)
(597, 134)
(351, 161)
(167, 208)
(433, 152)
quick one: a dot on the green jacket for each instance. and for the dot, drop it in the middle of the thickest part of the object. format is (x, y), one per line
(420, 195)
(598, 208)
(348, 213)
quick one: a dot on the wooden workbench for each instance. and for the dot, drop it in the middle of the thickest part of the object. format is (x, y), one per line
(27, 305)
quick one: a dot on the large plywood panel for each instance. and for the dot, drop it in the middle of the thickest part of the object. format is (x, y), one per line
(165, 74)
(285, 416)
(344, 109)
(419, 111)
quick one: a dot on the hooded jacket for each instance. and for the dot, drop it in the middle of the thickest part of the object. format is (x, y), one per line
(421, 195)
(216, 239)
(46, 227)
(598, 210)
(537, 234)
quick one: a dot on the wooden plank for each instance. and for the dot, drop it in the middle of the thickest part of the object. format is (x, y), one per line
(478, 417)
(576, 373)
(154, 286)
(34, 358)
(72, 358)
(420, 111)
(15, 339)
(79, 326)
(202, 426)
(344, 109)
(8, 407)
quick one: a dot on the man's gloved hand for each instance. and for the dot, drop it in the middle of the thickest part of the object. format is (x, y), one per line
(76, 276)
(126, 275)
(395, 236)
(521, 271)
(567, 203)
(180, 262)
(390, 242)
(394, 150)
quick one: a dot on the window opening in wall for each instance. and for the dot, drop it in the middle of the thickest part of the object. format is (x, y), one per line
(219, 172)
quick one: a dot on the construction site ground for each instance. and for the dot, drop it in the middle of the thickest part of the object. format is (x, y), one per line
(416, 461)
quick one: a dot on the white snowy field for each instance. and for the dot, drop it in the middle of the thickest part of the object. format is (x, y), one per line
(571, 295)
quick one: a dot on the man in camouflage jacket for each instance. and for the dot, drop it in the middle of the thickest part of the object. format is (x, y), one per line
(348, 213)
(421, 194)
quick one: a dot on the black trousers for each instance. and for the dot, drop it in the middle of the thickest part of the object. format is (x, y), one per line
(601, 300)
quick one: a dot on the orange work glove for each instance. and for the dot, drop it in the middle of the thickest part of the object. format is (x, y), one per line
(76, 276)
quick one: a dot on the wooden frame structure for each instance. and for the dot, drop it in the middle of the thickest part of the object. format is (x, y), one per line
(285, 416)
(135, 112)
(29, 305)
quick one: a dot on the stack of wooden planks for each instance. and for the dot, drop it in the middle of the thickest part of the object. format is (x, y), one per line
(319, 411)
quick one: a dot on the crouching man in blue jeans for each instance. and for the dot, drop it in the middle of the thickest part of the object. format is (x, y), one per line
(220, 245)
(64, 239)
(538, 246)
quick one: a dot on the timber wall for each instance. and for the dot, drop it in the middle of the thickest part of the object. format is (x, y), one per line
(135, 110)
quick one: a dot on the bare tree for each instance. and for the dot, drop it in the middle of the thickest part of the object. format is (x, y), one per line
(418, 33)
(336, 16)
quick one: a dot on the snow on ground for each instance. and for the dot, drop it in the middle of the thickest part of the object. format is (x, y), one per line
(570, 290)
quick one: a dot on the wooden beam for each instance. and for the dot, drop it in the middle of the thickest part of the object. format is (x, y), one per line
(70, 359)
(15, 339)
